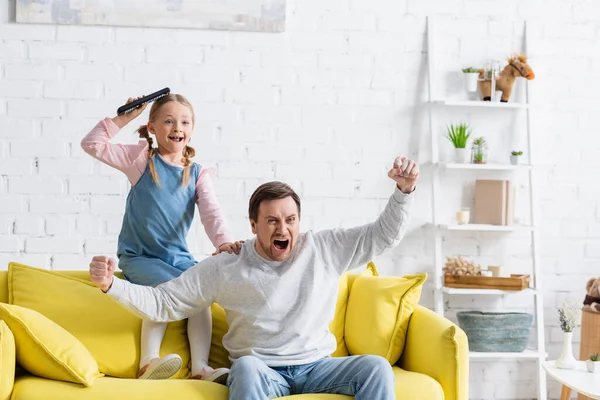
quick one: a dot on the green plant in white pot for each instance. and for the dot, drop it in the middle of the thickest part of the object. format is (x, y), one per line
(593, 363)
(458, 135)
(514, 157)
(471, 76)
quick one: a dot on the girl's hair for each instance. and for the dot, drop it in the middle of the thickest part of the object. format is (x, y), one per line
(188, 152)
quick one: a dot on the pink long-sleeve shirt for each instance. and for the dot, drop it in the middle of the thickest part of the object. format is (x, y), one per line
(132, 160)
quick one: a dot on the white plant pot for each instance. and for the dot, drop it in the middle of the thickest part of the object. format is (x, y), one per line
(593, 366)
(462, 156)
(471, 79)
(514, 160)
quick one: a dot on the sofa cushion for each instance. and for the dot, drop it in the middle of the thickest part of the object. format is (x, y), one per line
(379, 309)
(105, 388)
(415, 386)
(109, 331)
(47, 350)
(7, 361)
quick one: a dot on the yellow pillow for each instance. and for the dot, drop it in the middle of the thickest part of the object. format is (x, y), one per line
(109, 331)
(47, 350)
(379, 309)
(7, 361)
(339, 319)
(218, 357)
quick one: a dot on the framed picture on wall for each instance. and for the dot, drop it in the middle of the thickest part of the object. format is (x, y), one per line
(234, 15)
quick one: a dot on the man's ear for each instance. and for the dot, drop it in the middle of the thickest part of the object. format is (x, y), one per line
(253, 226)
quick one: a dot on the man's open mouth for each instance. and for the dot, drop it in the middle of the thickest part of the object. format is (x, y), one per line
(281, 244)
(176, 138)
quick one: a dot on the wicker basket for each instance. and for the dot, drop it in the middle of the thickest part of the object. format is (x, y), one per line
(590, 338)
(496, 331)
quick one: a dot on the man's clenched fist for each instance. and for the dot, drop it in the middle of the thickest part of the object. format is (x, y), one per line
(102, 270)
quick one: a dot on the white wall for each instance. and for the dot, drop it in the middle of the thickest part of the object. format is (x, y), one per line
(324, 106)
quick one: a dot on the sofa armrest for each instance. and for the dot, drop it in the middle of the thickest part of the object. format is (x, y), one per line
(7, 361)
(438, 348)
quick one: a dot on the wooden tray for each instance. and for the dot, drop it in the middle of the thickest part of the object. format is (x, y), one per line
(515, 282)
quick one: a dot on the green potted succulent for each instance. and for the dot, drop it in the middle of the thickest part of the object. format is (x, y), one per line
(593, 363)
(514, 157)
(479, 151)
(471, 77)
(458, 135)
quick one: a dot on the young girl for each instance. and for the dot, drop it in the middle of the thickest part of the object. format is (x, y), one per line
(152, 247)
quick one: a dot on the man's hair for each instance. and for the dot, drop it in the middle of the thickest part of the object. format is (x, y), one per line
(270, 191)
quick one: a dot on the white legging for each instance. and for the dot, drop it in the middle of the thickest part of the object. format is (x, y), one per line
(199, 330)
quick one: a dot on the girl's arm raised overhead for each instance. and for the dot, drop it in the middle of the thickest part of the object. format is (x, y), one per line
(128, 158)
(211, 214)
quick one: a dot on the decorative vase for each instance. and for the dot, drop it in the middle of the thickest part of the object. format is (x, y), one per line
(479, 153)
(471, 80)
(462, 156)
(566, 359)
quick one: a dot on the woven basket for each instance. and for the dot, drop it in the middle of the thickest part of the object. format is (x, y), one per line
(496, 331)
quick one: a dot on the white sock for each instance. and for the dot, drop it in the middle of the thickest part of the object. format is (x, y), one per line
(199, 331)
(151, 338)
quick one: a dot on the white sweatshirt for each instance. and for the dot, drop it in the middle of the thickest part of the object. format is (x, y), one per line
(277, 311)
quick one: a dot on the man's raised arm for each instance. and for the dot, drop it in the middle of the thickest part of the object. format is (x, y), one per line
(348, 248)
(174, 300)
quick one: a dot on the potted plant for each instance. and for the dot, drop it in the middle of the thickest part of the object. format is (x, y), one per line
(458, 135)
(593, 363)
(471, 76)
(479, 151)
(514, 157)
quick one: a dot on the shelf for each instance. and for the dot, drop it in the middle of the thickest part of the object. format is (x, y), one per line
(531, 354)
(450, 290)
(484, 227)
(478, 103)
(500, 167)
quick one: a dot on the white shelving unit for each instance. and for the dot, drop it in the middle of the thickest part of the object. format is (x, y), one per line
(440, 291)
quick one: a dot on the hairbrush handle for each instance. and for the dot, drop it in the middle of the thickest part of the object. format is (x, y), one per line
(129, 107)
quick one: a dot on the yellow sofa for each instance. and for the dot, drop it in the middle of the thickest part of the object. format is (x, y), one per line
(433, 363)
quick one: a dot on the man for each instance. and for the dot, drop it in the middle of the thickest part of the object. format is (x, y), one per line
(279, 294)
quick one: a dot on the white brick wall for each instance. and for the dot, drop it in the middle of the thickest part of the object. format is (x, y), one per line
(325, 106)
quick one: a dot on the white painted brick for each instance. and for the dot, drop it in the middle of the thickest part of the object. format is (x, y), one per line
(160, 75)
(98, 185)
(107, 205)
(59, 245)
(309, 41)
(338, 153)
(11, 50)
(67, 129)
(65, 166)
(62, 225)
(376, 43)
(329, 188)
(329, 60)
(344, 21)
(7, 223)
(586, 11)
(175, 55)
(209, 74)
(287, 58)
(83, 34)
(71, 262)
(89, 225)
(34, 260)
(30, 225)
(264, 113)
(232, 56)
(400, 22)
(217, 153)
(300, 95)
(95, 72)
(592, 249)
(21, 128)
(34, 108)
(27, 32)
(35, 185)
(239, 170)
(43, 149)
(17, 166)
(74, 90)
(100, 246)
(305, 134)
(358, 171)
(96, 109)
(252, 94)
(204, 93)
(36, 71)
(360, 97)
(20, 89)
(55, 51)
(267, 153)
(206, 37)
(10, 243)
(337, 78)
(311, 115)
(115, 53)
(114, 224)
(146, 35)
(285, 171)
(268, 75)
(12, 204)
(57, 204)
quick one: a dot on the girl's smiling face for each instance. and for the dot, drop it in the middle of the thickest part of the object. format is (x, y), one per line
(173, 127)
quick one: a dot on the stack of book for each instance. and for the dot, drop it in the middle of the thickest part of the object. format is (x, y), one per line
(494, 202)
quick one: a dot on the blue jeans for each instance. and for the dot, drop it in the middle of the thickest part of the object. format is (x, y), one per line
(364, 377)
